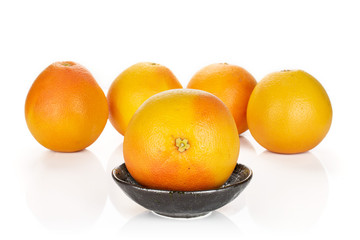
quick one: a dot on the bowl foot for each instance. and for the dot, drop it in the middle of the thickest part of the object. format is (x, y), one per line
(182, 215)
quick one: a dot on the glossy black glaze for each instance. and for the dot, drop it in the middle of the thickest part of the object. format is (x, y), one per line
(183, 204)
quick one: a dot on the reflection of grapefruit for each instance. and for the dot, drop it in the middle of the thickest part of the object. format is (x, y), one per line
(289, 112)
(232, 84)
(66, 192)
(133, 86)
(182, 140)
(65, 109)
(295, 188)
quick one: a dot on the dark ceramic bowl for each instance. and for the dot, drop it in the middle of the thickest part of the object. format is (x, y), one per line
(183, 204)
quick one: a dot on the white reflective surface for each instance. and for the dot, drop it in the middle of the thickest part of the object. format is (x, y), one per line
(289, 195)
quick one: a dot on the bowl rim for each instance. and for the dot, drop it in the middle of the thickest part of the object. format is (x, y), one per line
(139, 187)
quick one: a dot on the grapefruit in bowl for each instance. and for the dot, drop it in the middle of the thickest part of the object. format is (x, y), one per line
(181, 140)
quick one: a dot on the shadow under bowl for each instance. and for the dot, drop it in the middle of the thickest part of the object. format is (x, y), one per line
(183, 204)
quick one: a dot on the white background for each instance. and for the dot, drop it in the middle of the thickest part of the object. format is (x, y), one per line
(47, 195)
